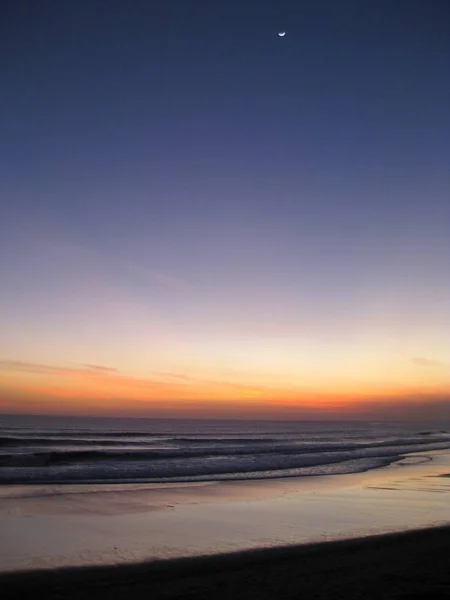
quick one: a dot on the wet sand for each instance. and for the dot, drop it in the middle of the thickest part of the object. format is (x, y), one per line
(405, 566)
(233, 539)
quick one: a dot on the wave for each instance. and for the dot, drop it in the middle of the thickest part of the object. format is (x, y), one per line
(339, 467)
(22, 433)
(196, 453)
(14, 442)
(55, 469)
(215, 447)
(148, 439)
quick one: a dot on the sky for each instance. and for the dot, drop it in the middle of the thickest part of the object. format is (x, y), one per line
(201, 218)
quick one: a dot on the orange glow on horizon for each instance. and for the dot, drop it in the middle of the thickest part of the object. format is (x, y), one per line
(28, 387)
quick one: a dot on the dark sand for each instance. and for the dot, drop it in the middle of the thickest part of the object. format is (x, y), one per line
(407, 566)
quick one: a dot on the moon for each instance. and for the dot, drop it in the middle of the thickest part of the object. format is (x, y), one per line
(282, 33)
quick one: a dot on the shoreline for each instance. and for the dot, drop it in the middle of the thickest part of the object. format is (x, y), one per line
(54, 527)
(407, 565)
(414, 460)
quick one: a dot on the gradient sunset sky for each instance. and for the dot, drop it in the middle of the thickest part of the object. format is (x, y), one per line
(201, 218)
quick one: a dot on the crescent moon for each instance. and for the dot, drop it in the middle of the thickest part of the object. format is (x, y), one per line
(282, 33)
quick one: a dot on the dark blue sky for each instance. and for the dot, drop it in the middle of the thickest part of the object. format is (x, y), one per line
(185, 158)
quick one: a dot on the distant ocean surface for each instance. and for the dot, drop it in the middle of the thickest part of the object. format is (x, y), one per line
(94, 450)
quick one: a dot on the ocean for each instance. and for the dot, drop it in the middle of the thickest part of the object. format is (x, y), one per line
(60, 450)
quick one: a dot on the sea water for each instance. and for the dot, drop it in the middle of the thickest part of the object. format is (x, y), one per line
(58, 450)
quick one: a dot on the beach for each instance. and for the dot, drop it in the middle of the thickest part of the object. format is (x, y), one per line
(407, 566)
(337, 536)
